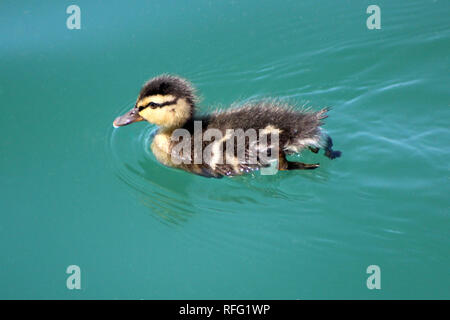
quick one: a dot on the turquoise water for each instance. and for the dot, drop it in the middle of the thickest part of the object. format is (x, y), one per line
(75, 191)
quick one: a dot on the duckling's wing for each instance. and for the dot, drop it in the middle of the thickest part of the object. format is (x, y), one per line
(297, 129)
(209, 173)
(238, 170)
(250, 163)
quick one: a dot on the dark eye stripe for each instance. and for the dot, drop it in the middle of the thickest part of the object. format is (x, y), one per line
(155, 105)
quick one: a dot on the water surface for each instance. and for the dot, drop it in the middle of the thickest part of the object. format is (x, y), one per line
(76, 191)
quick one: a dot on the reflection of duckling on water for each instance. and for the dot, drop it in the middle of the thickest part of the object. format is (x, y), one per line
(169, 102)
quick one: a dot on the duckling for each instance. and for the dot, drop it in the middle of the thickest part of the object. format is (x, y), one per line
(169, 102)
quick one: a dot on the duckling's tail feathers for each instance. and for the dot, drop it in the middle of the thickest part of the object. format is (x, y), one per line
(304, 129)
(308, 133)
(322, 114)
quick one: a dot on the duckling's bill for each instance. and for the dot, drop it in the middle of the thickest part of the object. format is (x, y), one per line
(128, 118)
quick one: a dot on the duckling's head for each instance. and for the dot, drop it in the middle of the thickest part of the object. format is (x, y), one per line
(167, 101)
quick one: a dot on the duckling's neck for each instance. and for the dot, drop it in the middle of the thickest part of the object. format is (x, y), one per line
(162, 142)
(161, 145)
(176, 117)
(167, 131)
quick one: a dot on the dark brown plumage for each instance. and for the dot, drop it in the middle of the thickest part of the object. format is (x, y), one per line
(168, 85)
(293, 124)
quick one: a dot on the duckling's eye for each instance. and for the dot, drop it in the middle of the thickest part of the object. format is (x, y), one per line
(153, 105)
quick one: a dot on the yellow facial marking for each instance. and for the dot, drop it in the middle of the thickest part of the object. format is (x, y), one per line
(169, 116)
(159, 98)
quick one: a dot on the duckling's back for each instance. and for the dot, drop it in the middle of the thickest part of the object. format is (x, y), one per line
(294, 130)
(297, 129)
